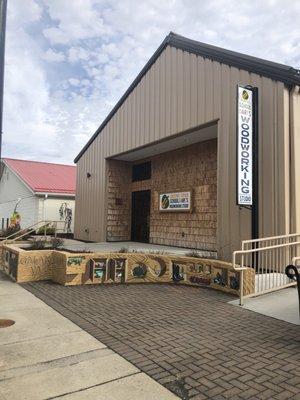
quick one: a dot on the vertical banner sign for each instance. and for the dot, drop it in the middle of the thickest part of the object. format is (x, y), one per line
(245, 111)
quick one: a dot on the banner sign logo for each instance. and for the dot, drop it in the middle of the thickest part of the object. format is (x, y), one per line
(176, 201)
(244, 146)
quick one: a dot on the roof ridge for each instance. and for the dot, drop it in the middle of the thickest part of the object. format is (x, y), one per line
(39, 162)
(270, 69)
(175, 36)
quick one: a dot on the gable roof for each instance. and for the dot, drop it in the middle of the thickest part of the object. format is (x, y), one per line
(280, 72)
(44, 177)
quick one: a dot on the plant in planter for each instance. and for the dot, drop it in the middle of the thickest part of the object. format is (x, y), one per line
(26, 235)
(56, 242)
(123, 250)
(38, 244)
(50, 230)
(193, 253)
(10, 230)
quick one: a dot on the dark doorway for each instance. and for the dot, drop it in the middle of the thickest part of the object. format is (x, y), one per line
(140, 217)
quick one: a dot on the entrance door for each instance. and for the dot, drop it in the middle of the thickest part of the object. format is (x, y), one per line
(140, 220)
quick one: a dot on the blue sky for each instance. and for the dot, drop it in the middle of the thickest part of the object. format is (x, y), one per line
(69, 61)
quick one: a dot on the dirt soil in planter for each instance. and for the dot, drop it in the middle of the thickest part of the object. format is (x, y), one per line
(57, 248)
(75, 251)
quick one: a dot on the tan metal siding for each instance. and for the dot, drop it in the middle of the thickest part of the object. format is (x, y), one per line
(295, 158)
(181, 91)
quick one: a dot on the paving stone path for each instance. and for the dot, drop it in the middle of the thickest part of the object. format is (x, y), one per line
(188, 339)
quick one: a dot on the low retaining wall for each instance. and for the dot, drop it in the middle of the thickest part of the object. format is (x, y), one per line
(26, 266)
(104, 268)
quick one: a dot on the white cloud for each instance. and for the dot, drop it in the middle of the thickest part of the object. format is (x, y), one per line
(24, 12)
(77, 20)
(27, 130)
(76, 54)
(68, 62)
(74, 81)
(55, 35)
(55, 56)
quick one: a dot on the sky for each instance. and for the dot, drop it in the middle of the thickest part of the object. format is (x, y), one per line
(69, 61)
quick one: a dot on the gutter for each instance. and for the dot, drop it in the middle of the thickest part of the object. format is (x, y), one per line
(52, 194)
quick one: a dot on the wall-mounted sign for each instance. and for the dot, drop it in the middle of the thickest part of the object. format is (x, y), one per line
(245, 117)
(176, 201)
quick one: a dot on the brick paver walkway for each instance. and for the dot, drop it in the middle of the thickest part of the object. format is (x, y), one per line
(188, 339)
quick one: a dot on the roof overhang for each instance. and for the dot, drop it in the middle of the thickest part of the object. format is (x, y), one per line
(196, 135)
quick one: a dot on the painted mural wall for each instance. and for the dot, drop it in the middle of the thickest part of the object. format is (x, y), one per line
(119, 268)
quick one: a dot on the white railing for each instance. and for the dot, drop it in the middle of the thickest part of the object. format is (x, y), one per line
(25, 231)
(296, 261)
(270, 241)
(268, 257)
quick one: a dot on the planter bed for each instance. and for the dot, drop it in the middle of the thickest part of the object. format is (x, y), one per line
(68, 268)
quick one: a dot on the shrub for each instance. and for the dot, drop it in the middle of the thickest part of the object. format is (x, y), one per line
(10, 230)
(56, 242)
(38, 244)
(26, 234)
(49, 231)
(193, 253)
(123, 250)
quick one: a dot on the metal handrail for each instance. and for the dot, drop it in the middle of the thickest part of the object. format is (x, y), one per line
(270, 238)
(295, 261)
(251, 251)
(267, 239)
(30, 229)
(25, 229)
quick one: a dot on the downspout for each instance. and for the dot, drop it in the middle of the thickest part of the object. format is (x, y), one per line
(44, 207)
(294, 91)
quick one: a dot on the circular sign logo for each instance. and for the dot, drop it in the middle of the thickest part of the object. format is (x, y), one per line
(165, 202)
(245, 95)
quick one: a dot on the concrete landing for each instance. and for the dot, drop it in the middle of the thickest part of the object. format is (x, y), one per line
(45, 356)
(282, 304)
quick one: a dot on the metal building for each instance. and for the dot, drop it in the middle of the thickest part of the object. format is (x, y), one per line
(172, 136)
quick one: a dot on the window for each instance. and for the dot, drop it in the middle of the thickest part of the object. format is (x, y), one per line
(141, 172)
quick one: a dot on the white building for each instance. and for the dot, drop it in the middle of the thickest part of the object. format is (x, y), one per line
(36, 190)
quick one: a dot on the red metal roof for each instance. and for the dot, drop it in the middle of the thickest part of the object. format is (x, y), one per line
(45, 177)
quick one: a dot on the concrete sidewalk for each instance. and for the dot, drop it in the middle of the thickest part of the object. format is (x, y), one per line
(282, 304)
(45, 356)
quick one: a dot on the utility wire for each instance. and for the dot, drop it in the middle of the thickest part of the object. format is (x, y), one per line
(18, 199)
